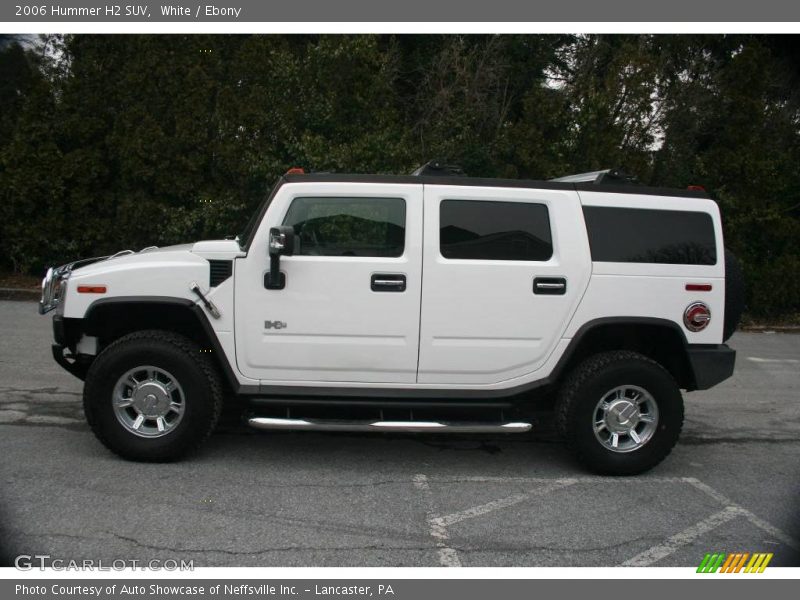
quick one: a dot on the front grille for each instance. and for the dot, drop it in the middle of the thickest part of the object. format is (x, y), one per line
(220, 271)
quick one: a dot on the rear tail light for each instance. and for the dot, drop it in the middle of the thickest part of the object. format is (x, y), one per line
(697, 316)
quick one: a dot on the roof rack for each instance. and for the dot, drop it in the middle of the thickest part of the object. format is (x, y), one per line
(605, 176)
(439, 168)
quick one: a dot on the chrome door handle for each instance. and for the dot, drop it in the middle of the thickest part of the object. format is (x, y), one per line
(553, 286)
(388, 282)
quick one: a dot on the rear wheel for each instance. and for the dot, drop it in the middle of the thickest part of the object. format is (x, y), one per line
(152, 396)
(620, 413)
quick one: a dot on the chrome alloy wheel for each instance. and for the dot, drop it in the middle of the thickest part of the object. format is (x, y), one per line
(148, 401)
(625, 418)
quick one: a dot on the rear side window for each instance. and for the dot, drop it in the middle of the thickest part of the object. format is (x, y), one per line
(348, 226)
(475, 229)
(650, 236)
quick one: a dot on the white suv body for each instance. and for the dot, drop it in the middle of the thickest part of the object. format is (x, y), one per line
(419, 289)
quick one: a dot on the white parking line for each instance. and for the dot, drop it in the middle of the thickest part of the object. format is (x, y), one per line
(790, 361)
(437, 525)
(687, 536)
(583, 479)
(447, 556)
(730, 510)
(755, 520)
(494, 505)
(684, 538)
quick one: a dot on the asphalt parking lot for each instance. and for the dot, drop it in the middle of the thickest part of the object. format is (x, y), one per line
(306, 499)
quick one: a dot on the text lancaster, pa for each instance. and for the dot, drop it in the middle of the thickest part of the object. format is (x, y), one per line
(263, 589)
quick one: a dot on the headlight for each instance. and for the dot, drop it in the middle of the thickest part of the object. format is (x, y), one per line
(53, 286)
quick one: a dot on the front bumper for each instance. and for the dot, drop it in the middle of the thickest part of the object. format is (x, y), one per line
(75, 365)
(59, 331)
(711, 364)
(64, 336)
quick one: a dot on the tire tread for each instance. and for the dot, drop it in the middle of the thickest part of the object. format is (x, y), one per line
(185, 346)
(569, 395)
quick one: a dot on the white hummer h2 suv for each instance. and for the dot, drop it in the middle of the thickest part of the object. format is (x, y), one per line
(420, 303)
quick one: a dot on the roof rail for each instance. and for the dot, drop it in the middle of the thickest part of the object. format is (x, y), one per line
(438, 167)
(615, 176)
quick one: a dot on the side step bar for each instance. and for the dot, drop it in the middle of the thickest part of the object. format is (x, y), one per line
(273, 424)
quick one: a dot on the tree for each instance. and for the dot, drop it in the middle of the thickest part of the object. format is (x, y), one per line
(732, 118)
(109, 142)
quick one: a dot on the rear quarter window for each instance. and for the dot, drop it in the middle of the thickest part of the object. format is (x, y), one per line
(637, 235)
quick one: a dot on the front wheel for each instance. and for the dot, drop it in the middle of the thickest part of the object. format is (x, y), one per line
(620, 413)
(152, 396)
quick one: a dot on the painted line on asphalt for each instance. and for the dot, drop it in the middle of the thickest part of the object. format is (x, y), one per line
(437, 525)
(550, 480)
(730, 511)
(790, 361)
(448, 557)
(484, 509)
(674, 543)
(754, 519)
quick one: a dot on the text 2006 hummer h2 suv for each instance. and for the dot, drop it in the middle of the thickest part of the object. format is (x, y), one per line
(422, 303)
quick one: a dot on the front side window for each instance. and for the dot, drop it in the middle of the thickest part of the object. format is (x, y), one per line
(477, 229)
(333, 226)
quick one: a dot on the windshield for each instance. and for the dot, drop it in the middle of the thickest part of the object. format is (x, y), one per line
(245, 237)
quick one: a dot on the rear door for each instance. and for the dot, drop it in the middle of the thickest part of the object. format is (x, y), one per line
(350, 309)
(504, 270)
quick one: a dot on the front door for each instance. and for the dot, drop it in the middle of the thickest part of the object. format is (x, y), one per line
(349, 311)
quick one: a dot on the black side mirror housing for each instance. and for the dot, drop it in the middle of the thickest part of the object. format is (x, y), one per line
(281, 243)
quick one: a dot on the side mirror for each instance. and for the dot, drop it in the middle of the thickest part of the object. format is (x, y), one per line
(281, 242)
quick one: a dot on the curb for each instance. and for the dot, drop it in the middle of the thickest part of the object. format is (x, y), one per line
(19, 294)
(771, 329)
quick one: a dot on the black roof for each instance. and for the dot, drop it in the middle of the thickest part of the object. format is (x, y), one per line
(460, 181)
(491, 182)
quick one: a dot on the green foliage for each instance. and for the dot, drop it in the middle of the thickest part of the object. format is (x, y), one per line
(109, 142)
(732, 124)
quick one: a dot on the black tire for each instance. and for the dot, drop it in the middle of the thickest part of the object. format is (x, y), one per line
(734, 295)
(175, 354)
(589, 382)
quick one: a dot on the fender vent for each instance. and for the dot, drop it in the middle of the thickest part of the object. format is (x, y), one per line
(220, 271)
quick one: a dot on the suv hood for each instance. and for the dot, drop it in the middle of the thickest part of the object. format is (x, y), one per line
(217, 249)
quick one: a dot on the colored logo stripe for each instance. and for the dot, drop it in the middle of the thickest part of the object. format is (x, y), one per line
(734, 562)
(711, 562)
(727, 566)
(758, 563)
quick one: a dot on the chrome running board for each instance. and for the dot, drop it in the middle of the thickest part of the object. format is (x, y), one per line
(273, 424)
